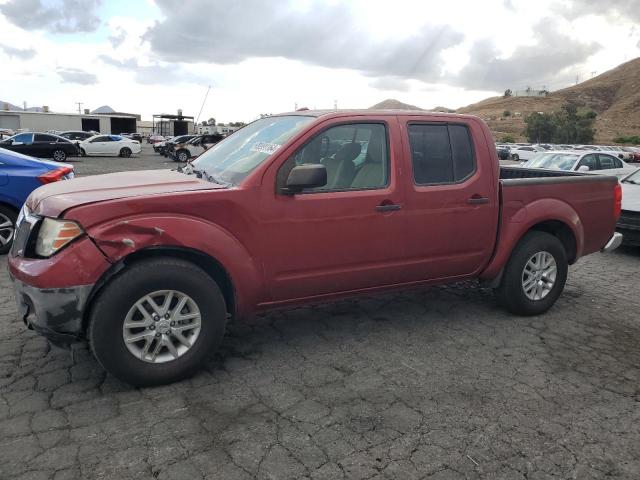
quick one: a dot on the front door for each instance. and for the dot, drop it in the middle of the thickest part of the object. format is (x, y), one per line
(343, 236)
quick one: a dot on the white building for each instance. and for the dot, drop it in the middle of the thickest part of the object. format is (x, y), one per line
(42, 121)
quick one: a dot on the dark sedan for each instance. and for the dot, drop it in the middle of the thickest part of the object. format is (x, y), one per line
(42, 145)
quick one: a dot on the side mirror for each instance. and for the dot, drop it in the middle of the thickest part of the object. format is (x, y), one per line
(583, 168)
(310, 175)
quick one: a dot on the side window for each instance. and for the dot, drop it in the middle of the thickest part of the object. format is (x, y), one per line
(99, 139)
(356, 156)
(40, 137)
(589, 161)
(24, 138)
(607, 162)
(440, 153)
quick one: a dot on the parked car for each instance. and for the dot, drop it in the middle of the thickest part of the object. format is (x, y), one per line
(629, 221)
(161, 147)
(109, 146)
(267, 220)
(77, 135)
(154, 138)
(634, 152)
(525, 152)
(19, 176)
(42, 145)
(504, 152)
(581, 161)
(183, 152)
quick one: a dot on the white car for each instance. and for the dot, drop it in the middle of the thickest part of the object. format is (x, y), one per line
(581, 161)
(525, 152)
(109, 146)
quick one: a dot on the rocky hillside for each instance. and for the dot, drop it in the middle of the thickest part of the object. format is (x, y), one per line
(613, 95)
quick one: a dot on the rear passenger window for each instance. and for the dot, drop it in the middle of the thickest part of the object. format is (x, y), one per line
(607, 162)
(440, 153)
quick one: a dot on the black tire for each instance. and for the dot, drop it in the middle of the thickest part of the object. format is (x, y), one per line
(7, 214)
(59, 155)
(110, 309)
(125, 152)
(516, 157)
(511, 292)
(182, 156)
(83, 152)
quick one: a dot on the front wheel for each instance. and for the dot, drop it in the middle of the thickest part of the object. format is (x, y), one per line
(59, 155)
(516, 157)
(8, 218)
(157, 321)
(125, 152)
(535, 275)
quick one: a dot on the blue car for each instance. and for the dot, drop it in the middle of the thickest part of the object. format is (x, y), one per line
(19, 176)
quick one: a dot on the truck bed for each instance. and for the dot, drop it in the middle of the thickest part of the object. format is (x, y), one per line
(586, 199)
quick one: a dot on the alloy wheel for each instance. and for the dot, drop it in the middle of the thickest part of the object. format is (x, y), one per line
(162, 326)
(539, 275)
(7, 230)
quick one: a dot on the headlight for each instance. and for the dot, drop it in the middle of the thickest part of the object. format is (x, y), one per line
(55, 234)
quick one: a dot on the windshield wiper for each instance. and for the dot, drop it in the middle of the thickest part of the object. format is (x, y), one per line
(210, 178)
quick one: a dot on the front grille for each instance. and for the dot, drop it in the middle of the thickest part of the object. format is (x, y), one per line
(25, 230)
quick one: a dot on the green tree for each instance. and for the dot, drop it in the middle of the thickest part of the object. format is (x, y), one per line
(565, 126)
(508, 93)
(633, 139)
(506, 113)
(539, 127)
(508, 139)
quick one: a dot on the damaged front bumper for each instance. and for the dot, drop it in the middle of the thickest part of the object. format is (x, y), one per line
(56, 313)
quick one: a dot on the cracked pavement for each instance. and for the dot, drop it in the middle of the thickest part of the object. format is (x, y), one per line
(437, 383)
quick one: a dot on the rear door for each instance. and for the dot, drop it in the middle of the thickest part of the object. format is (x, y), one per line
(612, 165)
(451, 200)
(44, 144)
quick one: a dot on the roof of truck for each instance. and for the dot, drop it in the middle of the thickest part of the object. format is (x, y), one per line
(364, 111)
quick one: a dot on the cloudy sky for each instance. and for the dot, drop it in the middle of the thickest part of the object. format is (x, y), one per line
(155, 56)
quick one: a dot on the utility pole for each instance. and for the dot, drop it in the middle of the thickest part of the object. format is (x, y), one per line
(577, 79)
(24, 105)
(593, 74)
(335, 104)
(79, 106)
(203, 102)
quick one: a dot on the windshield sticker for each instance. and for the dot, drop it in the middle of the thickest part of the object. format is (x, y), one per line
(264, 147)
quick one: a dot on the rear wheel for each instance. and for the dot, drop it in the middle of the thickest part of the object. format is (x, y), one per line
(59, 155)
(516, 157)
(83, 152)
(157, 321)
(125, 152)
(535, 275)
(8, 218)
(182, 156)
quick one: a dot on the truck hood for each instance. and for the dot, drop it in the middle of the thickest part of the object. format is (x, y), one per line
(53, 199)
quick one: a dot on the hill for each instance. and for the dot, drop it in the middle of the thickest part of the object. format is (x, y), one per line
(392, 104)
(613, 95)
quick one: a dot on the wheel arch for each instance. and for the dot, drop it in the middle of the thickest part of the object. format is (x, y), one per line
(210, 265)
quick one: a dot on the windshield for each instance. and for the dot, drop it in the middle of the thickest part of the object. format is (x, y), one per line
(235, 157)
(555, 161)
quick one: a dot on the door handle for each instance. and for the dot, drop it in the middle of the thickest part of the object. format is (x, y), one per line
(477, 200)
(388, 207)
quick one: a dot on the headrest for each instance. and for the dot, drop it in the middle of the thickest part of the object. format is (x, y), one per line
(348, 152)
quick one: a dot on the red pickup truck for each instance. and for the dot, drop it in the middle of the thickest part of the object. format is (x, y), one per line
(296, 208)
